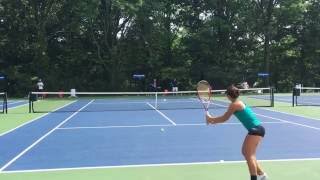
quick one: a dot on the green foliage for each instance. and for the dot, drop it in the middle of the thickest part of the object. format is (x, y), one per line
(97, 45)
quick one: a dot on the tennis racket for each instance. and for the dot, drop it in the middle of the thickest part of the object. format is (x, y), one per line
(204, 94)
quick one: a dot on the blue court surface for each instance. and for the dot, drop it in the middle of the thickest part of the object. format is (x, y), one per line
(303, 99)
(76, 140)
(15, 103)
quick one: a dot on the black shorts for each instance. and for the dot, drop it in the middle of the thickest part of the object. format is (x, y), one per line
(257, 131)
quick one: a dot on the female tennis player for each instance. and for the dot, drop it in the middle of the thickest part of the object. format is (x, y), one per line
(251, 123)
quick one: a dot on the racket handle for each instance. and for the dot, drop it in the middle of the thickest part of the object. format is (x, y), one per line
(207, 114)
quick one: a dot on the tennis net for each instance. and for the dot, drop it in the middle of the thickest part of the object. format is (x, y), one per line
(4, 103)
(130, 101)
(306, 96)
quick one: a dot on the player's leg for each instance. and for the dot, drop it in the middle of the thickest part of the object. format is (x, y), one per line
(259, 169)
(249, 147)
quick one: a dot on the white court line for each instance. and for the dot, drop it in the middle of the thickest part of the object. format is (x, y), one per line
(43, 137)
(154, 165)
(144, 102)
(282, 120)
(290, 122)
(311, 118)
(25, 104)
(163, 115)
(35, 119)
(155, 125)
(310, 102)
(14, 102)
(111, 127)
(18, 106)
(283, 100)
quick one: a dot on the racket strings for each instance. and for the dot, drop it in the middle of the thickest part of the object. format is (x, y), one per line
(204, 93)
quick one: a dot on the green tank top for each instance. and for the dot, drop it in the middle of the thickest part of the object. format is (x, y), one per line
(247, 118)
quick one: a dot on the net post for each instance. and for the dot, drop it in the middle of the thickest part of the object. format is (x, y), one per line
(272, 96)
(156, 103)
(30, 101)
(293, 92)
(5, 103)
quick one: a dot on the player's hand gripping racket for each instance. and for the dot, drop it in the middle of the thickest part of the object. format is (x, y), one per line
(204, 94)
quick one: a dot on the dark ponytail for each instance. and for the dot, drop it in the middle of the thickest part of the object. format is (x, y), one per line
(233, 92)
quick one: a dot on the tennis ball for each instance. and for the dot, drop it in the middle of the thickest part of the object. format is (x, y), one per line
(162, 130)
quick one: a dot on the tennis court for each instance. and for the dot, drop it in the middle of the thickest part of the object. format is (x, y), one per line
(116, 89)
(75, 137)
(306, 96)
(16, 103)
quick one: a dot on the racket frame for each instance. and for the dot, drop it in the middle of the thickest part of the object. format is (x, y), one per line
(204, 103)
